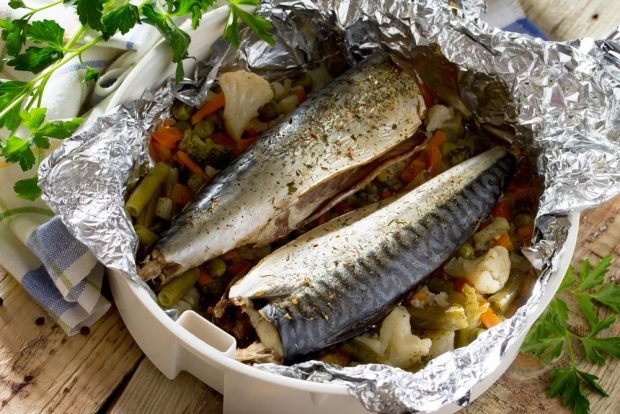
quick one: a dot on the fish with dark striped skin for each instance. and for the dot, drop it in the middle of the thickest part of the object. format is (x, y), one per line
(335, 281)
(333, 143)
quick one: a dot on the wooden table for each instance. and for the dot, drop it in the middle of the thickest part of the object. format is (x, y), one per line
(43, 370)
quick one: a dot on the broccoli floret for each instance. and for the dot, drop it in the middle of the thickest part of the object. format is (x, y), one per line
(181, 111)
(205, 151)
(194, 146)
(218, 156)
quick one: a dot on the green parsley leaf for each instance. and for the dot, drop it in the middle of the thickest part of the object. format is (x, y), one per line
(587, 309)
(259, 25)
(569, 278)
(16, 4)
(231, 30)
(28, 188)
(120, 19)
(35, 59)
(594, 277)
(11, 93)
(602, 325)
(567, 384)
(41, 142)
(595, 348)
(177, 38)
(16, 149)
(609, 296)
(14, 35)
(34, 118)
(591, 381)
(91, 74)
(90, 13)
(46, 31)
(11, 119)
(60, 129)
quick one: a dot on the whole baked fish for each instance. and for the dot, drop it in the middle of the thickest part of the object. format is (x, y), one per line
(335, 281)
(330, 144)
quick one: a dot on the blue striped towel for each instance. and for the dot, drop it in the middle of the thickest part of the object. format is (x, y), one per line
(64, 277)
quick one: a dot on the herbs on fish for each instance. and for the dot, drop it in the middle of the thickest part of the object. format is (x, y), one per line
(20, 102)
(551, 335)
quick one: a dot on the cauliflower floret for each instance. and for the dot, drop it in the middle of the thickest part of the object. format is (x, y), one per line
(487, 274)
(244, 93)
(443, 341)
(484, 238)
(437, 116)
(398, 344)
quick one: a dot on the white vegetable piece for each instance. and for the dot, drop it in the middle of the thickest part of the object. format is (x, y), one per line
(497, 227)
(163, 208)
(244, 93)
(398, 344)
(442, 342)
(437, 116)
(487, 274)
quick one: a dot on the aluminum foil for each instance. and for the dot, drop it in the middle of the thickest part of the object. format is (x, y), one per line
(562, 101)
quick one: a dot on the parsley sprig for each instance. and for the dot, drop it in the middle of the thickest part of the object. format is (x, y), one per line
(551, 335)
(39, 47)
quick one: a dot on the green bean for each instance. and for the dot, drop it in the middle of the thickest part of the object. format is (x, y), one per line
(171, 179)
(466, 336)
(173, 291)
(146, 189)
(147, 216)
(504, 298)
(443, 319)
(146, 236)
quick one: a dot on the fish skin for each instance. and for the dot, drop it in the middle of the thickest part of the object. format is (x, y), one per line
(260, 197)
(335, 281)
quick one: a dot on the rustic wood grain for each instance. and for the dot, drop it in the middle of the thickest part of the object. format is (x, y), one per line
(150, 392)
(43, 370)
(570, 19)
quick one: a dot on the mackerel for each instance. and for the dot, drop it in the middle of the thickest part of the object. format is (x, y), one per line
(333, 142)
(335, 281)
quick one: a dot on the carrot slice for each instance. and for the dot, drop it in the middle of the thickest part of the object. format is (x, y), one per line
(169, 122)
(437, 139)
(209, 107)
(181, 194)
(414, 168)
(489, 319)
(185, 160)
(240, 268)
(245, 143)
(301, 95)
(168, 137)
(205, 277)
(434, 160)
(501, 209)
(459, 283)
(504, 241)
(160, 153)
(421, 296)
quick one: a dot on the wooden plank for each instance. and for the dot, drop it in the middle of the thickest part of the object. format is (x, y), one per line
(43, 370)
(570, 19)
(149, 392)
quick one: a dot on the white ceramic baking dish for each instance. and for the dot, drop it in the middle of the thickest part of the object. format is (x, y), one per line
(194, 345)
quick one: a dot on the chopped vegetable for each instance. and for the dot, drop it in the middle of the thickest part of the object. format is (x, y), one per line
(173, 291)
(195, 183)
(181, 111)
(442, 342)
(444, 319)
(502, 209)
(488, 274)
(160, 153)
(163, 209)
(337, 358)
(217, 267)
(437, 116)
(245, 94)
(181, 194)
(168, 137)
(288, 104)
(402, 348)
(145, 190)
(204, 129)
(209, 107)
(205, 277)
(525, 232)
(504, 241)
(146, 236)
(507, 295)
(489, 319)
(467, 251)
(148, 213)
(185, 160)
(434, 160)
(486, 237)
